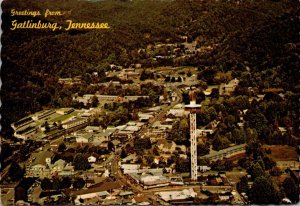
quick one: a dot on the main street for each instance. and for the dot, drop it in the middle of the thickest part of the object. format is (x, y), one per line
(113, 160)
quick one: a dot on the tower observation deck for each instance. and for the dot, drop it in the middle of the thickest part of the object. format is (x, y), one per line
(193, 108)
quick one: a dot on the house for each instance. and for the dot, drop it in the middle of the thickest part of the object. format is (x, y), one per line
(70, 81)
(96, 193)
(90, 182)
(176, 112)
(143, 117)
(126, 194)
(92, 159)
(226, 196)
(95, 196)
(130, 168)
(282, 130)
(241, 124)
(204, 132)
(129, 159)
(104, 145)
(176, 180)
(121, 134)
(204, 168)
(87, 138)
(94, 138)
(40, 167)
(285, 164)
(58, 166)
(116, 143)
(93, 129)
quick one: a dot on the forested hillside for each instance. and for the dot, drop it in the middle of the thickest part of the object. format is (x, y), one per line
(260, 35)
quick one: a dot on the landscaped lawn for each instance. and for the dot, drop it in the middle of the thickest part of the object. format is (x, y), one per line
(282, 152)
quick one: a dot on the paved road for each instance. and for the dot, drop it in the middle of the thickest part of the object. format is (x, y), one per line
(197, 188)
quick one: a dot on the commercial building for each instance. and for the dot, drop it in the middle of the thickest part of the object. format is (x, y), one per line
(226, 153)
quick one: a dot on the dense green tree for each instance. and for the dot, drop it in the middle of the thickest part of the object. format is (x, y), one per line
(220, 143)
(155, 151)
(141, 144)
(65, 183)
(20, 193)
(214, 93)
(203, 149)
(291, 189)
(244, 163)
(256, 171)
(94, 101)
(242, 185)
(123, 153)
(47, 126)
(239, 136)
(218, 165)
(146, 75)
(78, 183)
(185, 98)
(228, 164)
(110, 146)
(6, 151)
(81, 163)
(275, 171)
(258, 121)
(182, 165)
(180, 132)
(253, 148)
(61, 147)
(149, 159)
(56, 184)
(268, 162)
(167, 79)
(46, 184)
(200, 96)
(15, 172)
(264, 191)
(203, 161)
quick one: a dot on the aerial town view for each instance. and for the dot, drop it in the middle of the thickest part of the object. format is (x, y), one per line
(150, 102)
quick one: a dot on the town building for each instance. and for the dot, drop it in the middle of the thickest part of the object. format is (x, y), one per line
(226, 153)
(170, 196)
(75, 122)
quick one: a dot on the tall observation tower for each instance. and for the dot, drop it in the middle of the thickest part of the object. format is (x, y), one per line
(193, 108)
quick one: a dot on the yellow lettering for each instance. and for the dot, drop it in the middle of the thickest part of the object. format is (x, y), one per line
(70, 24)
(12, 12)
(14, 24)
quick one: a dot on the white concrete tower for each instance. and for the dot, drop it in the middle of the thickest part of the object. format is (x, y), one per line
(193, 108)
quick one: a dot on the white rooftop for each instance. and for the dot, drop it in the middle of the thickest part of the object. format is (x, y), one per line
(177, 195)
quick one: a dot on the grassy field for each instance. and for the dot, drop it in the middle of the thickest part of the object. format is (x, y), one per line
(282, 152)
